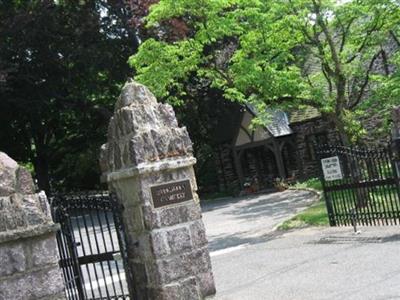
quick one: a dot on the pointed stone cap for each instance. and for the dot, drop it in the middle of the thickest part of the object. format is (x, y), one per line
(134, 93)
(20, 206)
(142, 131)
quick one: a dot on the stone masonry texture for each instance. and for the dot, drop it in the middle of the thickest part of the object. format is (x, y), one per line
(167, 246)
(28, 250)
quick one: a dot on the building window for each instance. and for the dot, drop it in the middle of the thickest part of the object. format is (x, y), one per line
(315, 138)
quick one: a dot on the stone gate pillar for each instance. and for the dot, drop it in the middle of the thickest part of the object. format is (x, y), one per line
(148, 162)
(28, 250)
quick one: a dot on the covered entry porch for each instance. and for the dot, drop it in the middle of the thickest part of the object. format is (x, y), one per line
(265, 154)
(266, 161)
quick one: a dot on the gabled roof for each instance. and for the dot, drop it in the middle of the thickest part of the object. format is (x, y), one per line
(279, 125)
(303, 114)
(230, 120)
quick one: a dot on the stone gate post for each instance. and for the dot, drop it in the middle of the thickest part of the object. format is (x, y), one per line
(148, 163)
(28, 250)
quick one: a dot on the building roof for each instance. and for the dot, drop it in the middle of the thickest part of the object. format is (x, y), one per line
(279, 125)
(229, 121)
(303, 114)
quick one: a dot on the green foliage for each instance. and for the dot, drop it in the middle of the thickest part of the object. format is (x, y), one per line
(384, 98)
(61, 68)
(171, 63)
(275, 53)
(214, 22)
(353, 126)
(29, 166)
(312, 183)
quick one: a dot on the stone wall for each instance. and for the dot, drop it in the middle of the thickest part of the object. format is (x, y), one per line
(227, 177)
(28, 250)
(308, 166)
(167, 246)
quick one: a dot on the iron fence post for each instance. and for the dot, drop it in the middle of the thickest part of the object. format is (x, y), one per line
(121, 235)
(395, 160)
(328, 200)
(396, 154)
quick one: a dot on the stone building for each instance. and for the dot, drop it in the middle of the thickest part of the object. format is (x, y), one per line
(283, 149)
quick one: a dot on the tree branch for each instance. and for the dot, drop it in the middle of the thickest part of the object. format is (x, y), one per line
(328, 36)
(309, 81)
(395, 38)
(365, 40)
(385, 62)
(345, 31)
(366, 80)
(328, 79)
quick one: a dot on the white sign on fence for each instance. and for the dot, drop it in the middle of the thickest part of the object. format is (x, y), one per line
(331, 168)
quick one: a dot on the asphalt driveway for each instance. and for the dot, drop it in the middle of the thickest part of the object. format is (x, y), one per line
(252, 261)
(242, 221)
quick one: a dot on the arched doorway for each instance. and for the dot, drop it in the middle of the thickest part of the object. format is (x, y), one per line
(259, 165)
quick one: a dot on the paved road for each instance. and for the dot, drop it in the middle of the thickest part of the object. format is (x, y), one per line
(241, 221)
(312, 263)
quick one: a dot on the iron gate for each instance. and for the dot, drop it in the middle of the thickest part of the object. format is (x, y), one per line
(91, 246)
(361, 186)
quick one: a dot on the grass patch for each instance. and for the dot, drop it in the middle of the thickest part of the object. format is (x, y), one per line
(313, 183)
(315, 215)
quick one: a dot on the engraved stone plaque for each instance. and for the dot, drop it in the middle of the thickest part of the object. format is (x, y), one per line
(171, 193)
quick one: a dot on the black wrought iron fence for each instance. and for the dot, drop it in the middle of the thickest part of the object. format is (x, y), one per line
(91, 246)
(361, 186)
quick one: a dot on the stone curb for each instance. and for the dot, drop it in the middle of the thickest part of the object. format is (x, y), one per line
(319, 194)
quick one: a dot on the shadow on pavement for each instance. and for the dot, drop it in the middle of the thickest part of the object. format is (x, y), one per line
(234, 240)
(357, 239)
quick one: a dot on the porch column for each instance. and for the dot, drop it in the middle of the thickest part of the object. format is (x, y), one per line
(238, 166)
(278, 157)
(260, 175)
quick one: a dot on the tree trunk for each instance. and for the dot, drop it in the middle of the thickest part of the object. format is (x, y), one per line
(339, 109)
(361, 194)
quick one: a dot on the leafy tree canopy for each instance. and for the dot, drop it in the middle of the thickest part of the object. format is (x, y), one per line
(329, 54)
(61, 67)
